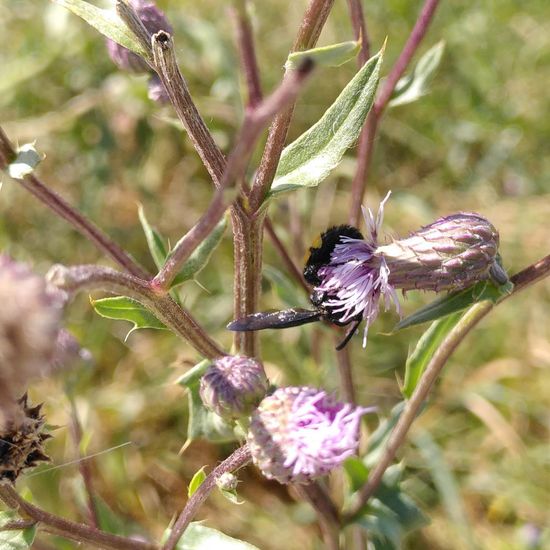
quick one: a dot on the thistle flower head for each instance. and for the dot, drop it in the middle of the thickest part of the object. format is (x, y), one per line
(300, 433)
(154, 21)
(29, 323)
(21, 441)
(233, 386)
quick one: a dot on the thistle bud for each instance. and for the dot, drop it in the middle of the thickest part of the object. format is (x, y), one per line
(154, 21)
(227, 482)
(29, 324)
(451, 253)
(21, 441)
(300, 433)
(233, 386)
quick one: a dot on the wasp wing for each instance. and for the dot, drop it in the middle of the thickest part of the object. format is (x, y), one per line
(275, 319)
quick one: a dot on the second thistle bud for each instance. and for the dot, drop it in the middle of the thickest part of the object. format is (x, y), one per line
(233, 386)
(451, 253)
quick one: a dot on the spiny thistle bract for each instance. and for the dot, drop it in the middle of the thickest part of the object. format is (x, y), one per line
(233, 386)
(21, 440)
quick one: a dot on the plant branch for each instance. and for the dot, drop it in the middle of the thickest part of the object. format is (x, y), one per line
(69, 529)
(245, 41)
(368, 134)
(70, 214)
(359, 30)
(91, 277)
(345, 370)
(241, 457)
(468, 321)
(308, 34)
(254, 122)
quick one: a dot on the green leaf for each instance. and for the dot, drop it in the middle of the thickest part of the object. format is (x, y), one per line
(378, 438)
(201, 255)
(26, 160)
(107, 22)
(18, 539)
(309, 160)
(456, 301)
(204, 424)
(326, 56)
(231, 496)
(356, 471)
(196, 481)
(415, 85)
(284, 288)
(199, 537)
(424, 350)
(155, 242)
(194, 374)
(126, 309)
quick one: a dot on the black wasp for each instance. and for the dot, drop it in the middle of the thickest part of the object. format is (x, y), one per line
(319, 256)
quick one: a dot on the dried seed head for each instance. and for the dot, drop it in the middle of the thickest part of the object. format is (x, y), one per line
(300, 433)
(21, 441)
(154, 21)
(451, 253)
(233, 386)
(29, 324)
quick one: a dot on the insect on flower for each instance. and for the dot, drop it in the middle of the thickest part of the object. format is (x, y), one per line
(353, 276)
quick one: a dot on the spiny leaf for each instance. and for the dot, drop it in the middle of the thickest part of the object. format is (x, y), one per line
(107, 22)
(199, 537)
(196, 482)
(328, 56)
(126, 309)
(309, 160)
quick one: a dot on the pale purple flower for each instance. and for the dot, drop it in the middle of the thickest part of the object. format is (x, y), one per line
(233, 386)
(357, 278)
(300, 433)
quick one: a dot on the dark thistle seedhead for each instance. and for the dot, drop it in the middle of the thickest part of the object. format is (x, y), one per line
(300, 433)
(21, 440)
(233, 386)
(154, 21)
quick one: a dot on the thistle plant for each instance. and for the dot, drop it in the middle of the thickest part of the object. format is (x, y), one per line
(306, 430)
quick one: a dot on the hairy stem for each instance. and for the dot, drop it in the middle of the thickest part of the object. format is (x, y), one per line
(91, 277)
(245, 42)
(241, 457)
(63, 209)
(468, 321)
(78, 532)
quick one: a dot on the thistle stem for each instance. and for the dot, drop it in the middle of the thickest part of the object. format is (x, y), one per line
(91, 277)
(247, 51)
(241, 457)
(69, 529)
(70, 214)
(468, 321)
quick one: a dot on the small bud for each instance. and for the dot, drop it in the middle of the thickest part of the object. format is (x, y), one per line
(451, 253)
(300, 433)
(153, 20)
(29, 324)
(233, 386)
(227, 482)
(21, 441)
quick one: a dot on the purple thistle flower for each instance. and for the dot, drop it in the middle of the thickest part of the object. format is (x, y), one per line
(154, 21)
(233, 386)
(300, 433)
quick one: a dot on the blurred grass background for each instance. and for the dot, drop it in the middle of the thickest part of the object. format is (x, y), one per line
(479, 457)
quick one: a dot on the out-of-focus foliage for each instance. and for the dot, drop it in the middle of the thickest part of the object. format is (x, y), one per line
(478, 464)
